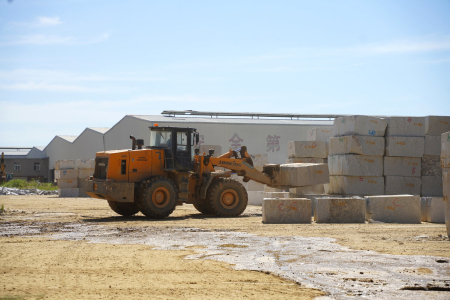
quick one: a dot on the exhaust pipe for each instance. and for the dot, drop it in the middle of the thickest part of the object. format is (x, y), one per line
(133, 146)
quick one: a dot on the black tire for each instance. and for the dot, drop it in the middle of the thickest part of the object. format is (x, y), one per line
(124, 208)
(226, 198)
(203, 208)
(157, 197)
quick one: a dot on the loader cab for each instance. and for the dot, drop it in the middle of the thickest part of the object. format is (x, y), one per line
(178, 145)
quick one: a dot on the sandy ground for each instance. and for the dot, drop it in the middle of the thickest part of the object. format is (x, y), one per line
(37, 266)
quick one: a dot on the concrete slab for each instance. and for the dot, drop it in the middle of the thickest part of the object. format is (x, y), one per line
(66, 174)
(394, 209)
(357, 144)
(67, 183)
(356, 185)
(359, 125)
(319, 133)
(402, 166)
(65, 164)
(85, 164)
(402, 185)
(432, 186)
(446, 183)
(431, 165)
(445, 145)
(436, 125)
(311, 189)
(340, 210)
(405, 146)
(432, 145)
(306, 160)
(355, 165)
(405, 126)
(255, 197)
(434, 209)
(294, 175)
(286, 211)
(307, 149)
(68, 193)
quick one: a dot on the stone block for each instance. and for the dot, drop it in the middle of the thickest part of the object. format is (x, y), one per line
(394, 209)
(357, 144)
(340, 210)
(271, 189)
(434, 209)
(85, 164)
(314, 198)
(83, 173)
(356, 185)
(445, 162)
(273, 195)
(307, 149)
(319, 133)
(359, 125)
(445, 145)
(259, 160)
(402, 166)
(405, 146)
(66, 174)
(310, 189)
(436, 125)
(64, 164)
(423, 209)
(294, 175)
(67, 183)
(402, 185)
(355, 165)
(286, 211)
(306, 160)
(432, 186)
(405, 126)
(447, 216)
(82, 187)
(68, 193)
(446, 184)
(255, 197)
(431, 165)
(432, 145)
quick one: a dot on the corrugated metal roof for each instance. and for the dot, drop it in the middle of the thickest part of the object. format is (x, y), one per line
(99, 129)
(157, 118)
(69, 138)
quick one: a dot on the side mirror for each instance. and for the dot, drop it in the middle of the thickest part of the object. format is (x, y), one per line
(197, 138)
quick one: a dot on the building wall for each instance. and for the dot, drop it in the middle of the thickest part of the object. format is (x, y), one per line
(27, 171)
(87, 144)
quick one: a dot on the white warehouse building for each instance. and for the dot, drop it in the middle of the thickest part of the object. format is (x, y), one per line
(229, 131)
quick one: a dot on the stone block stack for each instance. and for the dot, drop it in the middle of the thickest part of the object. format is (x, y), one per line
(309, 152)
(70, 176)
(445, 163)
(394, 209)
(355, 158)
(405, 144)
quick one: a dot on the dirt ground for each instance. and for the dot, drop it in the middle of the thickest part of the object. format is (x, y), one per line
(36, 266)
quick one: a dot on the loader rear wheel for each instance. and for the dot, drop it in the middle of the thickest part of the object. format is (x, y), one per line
(203, 208)
(227, 198)
(157, 197)
(124, 208)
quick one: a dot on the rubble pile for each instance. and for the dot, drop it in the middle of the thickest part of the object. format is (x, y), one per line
(17, 192)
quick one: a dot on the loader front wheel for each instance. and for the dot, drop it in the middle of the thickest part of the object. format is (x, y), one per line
(227, 198)
(157, 197)
(124, 208)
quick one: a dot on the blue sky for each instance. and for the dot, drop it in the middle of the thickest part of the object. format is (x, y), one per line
(68, 65)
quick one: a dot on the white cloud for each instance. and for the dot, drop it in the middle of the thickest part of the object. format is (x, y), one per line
(46, 21)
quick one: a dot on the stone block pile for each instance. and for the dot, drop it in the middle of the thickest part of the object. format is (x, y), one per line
(445, 164)
(71, 175)
(394, 209)
(355, 158)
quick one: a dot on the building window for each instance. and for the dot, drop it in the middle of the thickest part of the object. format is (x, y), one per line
(16, 166)
(37, 166)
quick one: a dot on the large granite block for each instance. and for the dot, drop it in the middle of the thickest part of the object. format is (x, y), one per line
(356, 185)
(446, 183)
(436, 125)
(340, 210)
(423, 209)
(357, 144)
(306, 160)
(431, 165)
(447, 216)
(401, 185)
(67, 183)
(402, 166)
(294, 175)
(432, 186)
(445, 145)
(311, 189)
(355, 165)
(307, 149)
(434, 209)
(85, 164)
(66, 174)
(394, 209)
(65, 164)
(259, 160)
(405, 126)
(274, 195)
(445, 162)
(319, 133)
(359, 125)
(432, 145)
(405, 146)
(286, 211)
(68, 193)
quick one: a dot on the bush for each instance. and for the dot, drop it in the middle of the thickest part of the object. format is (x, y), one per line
(33, 184)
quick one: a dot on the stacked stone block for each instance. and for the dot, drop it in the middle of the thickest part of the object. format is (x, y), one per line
(71, 175)
(432, 209)
(355, 158)
(340, 210)
(445, 163)
(286, 211)
(405, 144)
(394, 209)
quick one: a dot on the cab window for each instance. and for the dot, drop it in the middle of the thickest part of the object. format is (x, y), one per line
(182, 141)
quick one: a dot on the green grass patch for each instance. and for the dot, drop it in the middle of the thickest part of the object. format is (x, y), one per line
(33, 184)
(22, 297)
